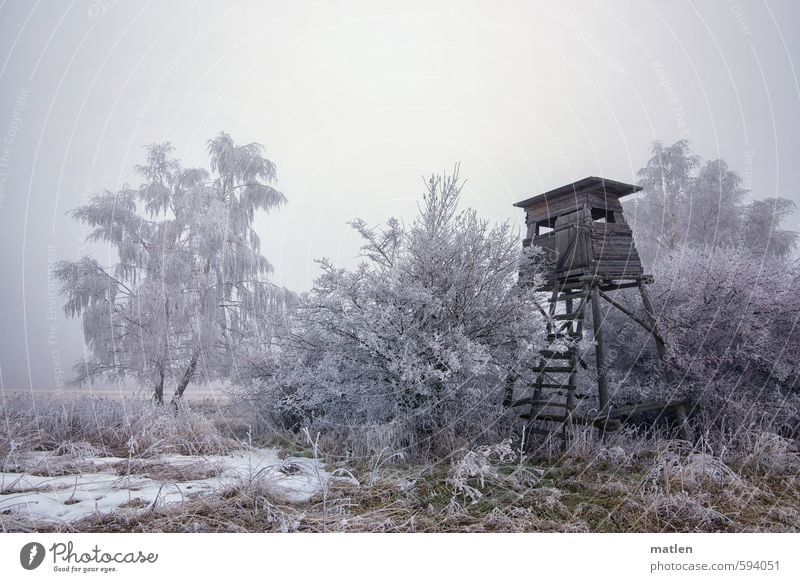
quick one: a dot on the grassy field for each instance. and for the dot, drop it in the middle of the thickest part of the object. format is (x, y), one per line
(627, 483)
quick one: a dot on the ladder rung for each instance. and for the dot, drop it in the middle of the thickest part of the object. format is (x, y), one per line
(554, 369)
(545, 417)
(555, 336)
(568, 316)
(566, 296)
(545, 403)
(527, 401)
(551, 355)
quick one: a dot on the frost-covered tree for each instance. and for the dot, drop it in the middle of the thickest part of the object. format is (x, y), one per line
(762, 232)
(713, 217)
(190, 284)
(666, 179)
(702, 205)
(413, 348)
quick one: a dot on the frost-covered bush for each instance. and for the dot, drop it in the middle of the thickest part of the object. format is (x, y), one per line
(731, 322)
(412, 349)
(470, 472)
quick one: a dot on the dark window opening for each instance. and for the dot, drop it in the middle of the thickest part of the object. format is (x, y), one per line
(545, 226)
(602, 215)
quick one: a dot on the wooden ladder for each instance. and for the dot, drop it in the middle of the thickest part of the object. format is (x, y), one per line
(552, 399)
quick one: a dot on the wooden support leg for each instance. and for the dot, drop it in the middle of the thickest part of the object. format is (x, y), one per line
(600, 352)
(648, 307)
(570, 401)
(508, 397)
(568, 424)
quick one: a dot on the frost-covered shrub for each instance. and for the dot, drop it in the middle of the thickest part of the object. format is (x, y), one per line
(412, 349)
(731, 322)
(469, 473)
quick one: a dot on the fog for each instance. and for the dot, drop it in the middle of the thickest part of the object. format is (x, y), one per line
(355, 101)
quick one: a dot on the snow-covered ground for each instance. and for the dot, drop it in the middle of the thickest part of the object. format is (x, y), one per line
(102, 484)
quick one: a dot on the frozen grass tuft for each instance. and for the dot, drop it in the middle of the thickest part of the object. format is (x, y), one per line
(97, 426)
(169, 471)
(766, 452)
(470, 472)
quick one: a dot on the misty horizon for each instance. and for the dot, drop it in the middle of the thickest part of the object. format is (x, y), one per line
(356, 101)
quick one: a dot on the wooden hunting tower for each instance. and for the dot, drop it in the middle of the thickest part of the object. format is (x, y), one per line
(582, 231)
(589, 253)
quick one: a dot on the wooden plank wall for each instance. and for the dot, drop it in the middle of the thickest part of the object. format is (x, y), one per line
(612, 251)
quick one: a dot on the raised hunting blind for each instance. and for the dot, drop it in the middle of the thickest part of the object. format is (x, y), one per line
(582, 230)
(588, 252)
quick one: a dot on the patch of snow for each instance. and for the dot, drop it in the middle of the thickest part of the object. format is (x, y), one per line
(71, 497)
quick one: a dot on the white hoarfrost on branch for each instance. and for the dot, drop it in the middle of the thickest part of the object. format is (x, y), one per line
(412, 349)
(190, 285)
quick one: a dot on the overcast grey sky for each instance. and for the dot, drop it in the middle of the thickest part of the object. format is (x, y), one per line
(354, 100)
